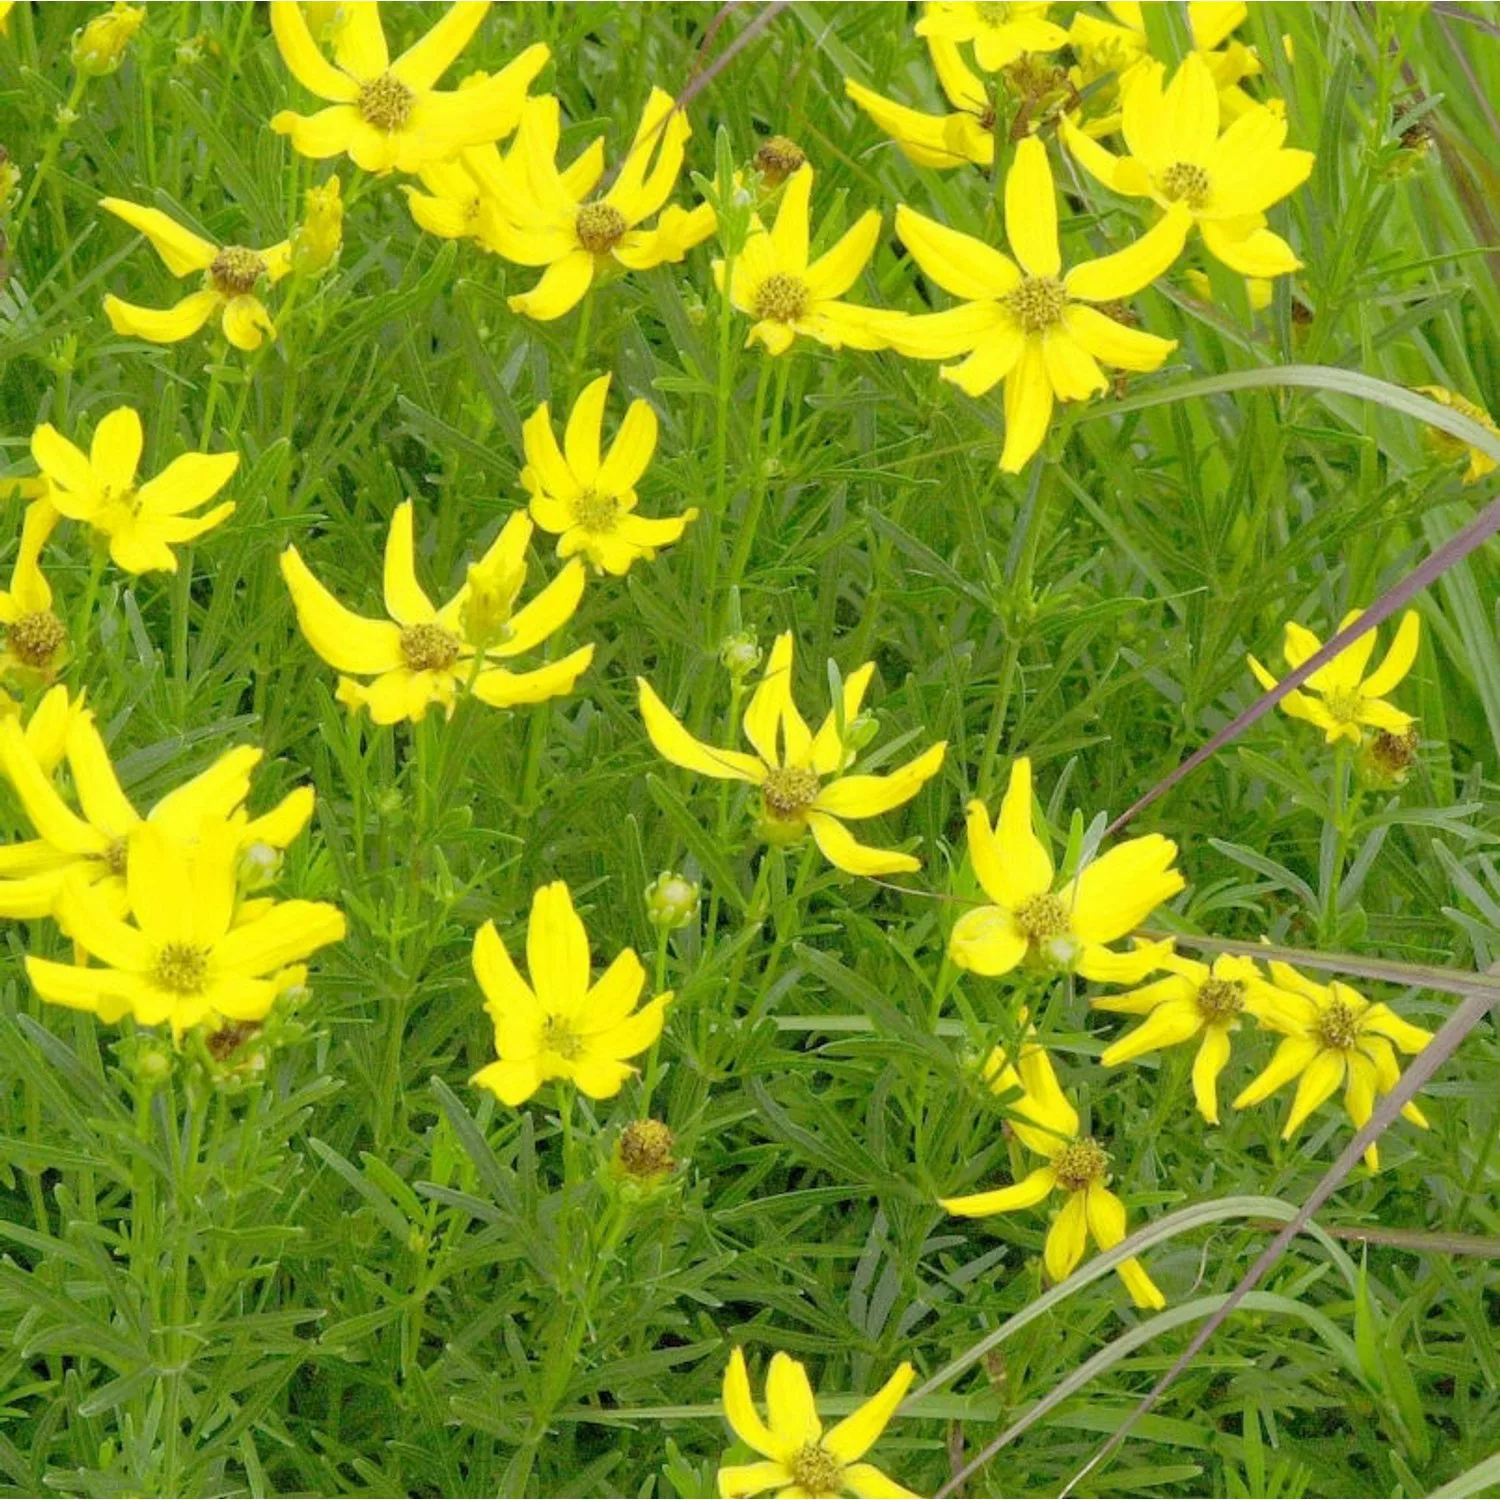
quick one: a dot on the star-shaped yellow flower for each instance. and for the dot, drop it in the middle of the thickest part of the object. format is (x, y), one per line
(785, 295)
(1067, 928)
(388, 114)
(1339, 698)
(560, 1025)
(1045, 1122)
(423, 655)
(1177, 157)
(36, 640)
(1031, 325)
(801, 775)
(797, 1456)
(143, 521)
(587, 502)
(1332, 1038)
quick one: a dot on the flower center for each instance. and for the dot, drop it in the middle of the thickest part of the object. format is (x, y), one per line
(1185, 182)
(816, 1471)
(1037, 304)
(597, 513)
(1042, 917)
(1083, 1164)
(646, 1148)
(1344, 704)
(235, 270)
(559, 1036)
(781, 298)
(778, 157)
(429, 648)
(1220, 999)
(35, 639)
(789, 791)
(181, 968)
(117, 856)
(600, 227)
(385, 102)
(1337, 1027)
(993, 15)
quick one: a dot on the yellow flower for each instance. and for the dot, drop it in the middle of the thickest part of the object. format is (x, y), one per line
(1196, 1000)
(1046, 1123)
(1000, 33)
(553, 222)
(142, 521)
(560, 1025)
(187, 959)
(589, 504)
(230, 276)
(36, 640)
(1332, 1036)
(1480, 462)
(46, 733)
(801, 775)
(93, 847)
(1178, 159)
(797, 1456)
(1067, 928)
(387, 114)
(422, 655)
(1347, 700)
(941, 141)
(1029, 325)
(99, 47)
(774, 284)
(317, 239)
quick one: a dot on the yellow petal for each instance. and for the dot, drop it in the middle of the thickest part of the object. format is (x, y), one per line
(1188, 124)
(829, 752)
(1114, 343)
(1071, 369)
(739, 1408)
(1143, 1291)
(868, 1483)
(1139, 264)
(789, 234)
(833, 273)
(738, 1480)
(868, 796)
(1031, 209)
(1213, 1053)
(1028, 407)
(1249, 248)
(545, 614)
(674, 743)
(511, 1081)
(987, 941)
(1024, 1194)
(557, 950)
(790, 1403)
(359, 41)
(104, 804)
(842, 850)
(561, 288)
(181, 251)
(1398, 659)
(162, 325)
(502, 689)
(303, 59)
(405, 602)
(1067, 1238)
(852, 1438)
(346, 641)
(428, 58)
(330, 132)
(1167, 1025)
(1291, 1057)
(1321, 1079)
(630, 452)
(585, 423)
(52, 818)
(959, 263)
(770, 701)
(247, 323)
(995, 357)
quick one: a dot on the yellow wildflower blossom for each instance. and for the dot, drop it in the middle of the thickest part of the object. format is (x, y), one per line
(589, 503)
(318, 238)
(560, 1025)
(801, 775)
(1000, 33)
(1480, 462)
(1030, 325)
(187, 959)
(797, 1456)
(231, 274)
(1195, 1000)
(555, 223)
(36, 640)
(942, 141)
(1066, 928)
(1177, 157)
(774, 283)
(423, 655)
(1045, 1122)
(388, 114)
(93, 847)
(1347, 701)
(1332, 1037)
(142, 521)
(99, 47)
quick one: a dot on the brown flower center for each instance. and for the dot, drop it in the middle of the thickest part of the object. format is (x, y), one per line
(1337, 1027)
(235, 270)
(35, 639)
(597, 513)
(1037, 304)
(385, 102)
(117, 857)
(1042, 917)
(646, 1148)
(1185, 182)
(1221, 999)
(559, 1036)
(781, 298)
(816, 1471)
(600, 227)
(778, 157)
(181, 968)
(1083, 1164)
(429, 648)
(789, 791)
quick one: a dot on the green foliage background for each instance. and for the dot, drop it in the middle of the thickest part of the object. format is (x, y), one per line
(372, 1280)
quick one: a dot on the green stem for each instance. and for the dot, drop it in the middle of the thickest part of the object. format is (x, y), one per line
(49, 155)
(653, 1058)
(761, 462)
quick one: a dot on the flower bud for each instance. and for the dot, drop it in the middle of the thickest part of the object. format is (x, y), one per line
(316, 240)
(1386, 759)
(492, 595)
(739, 654)
(777, 158)
(645, 1149)
(260, 864)
(99, 47)
(671, 901)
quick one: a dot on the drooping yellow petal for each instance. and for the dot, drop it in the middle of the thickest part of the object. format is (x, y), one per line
(181, 251)
(846, 853)
(868, 796)
(1028, 407)
(162, 325)
(674, 743)
(1291, 1057)
(987, 941)
(346, 641)
(1213, 1053)
(1067, 1238)
(1024, 1194)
